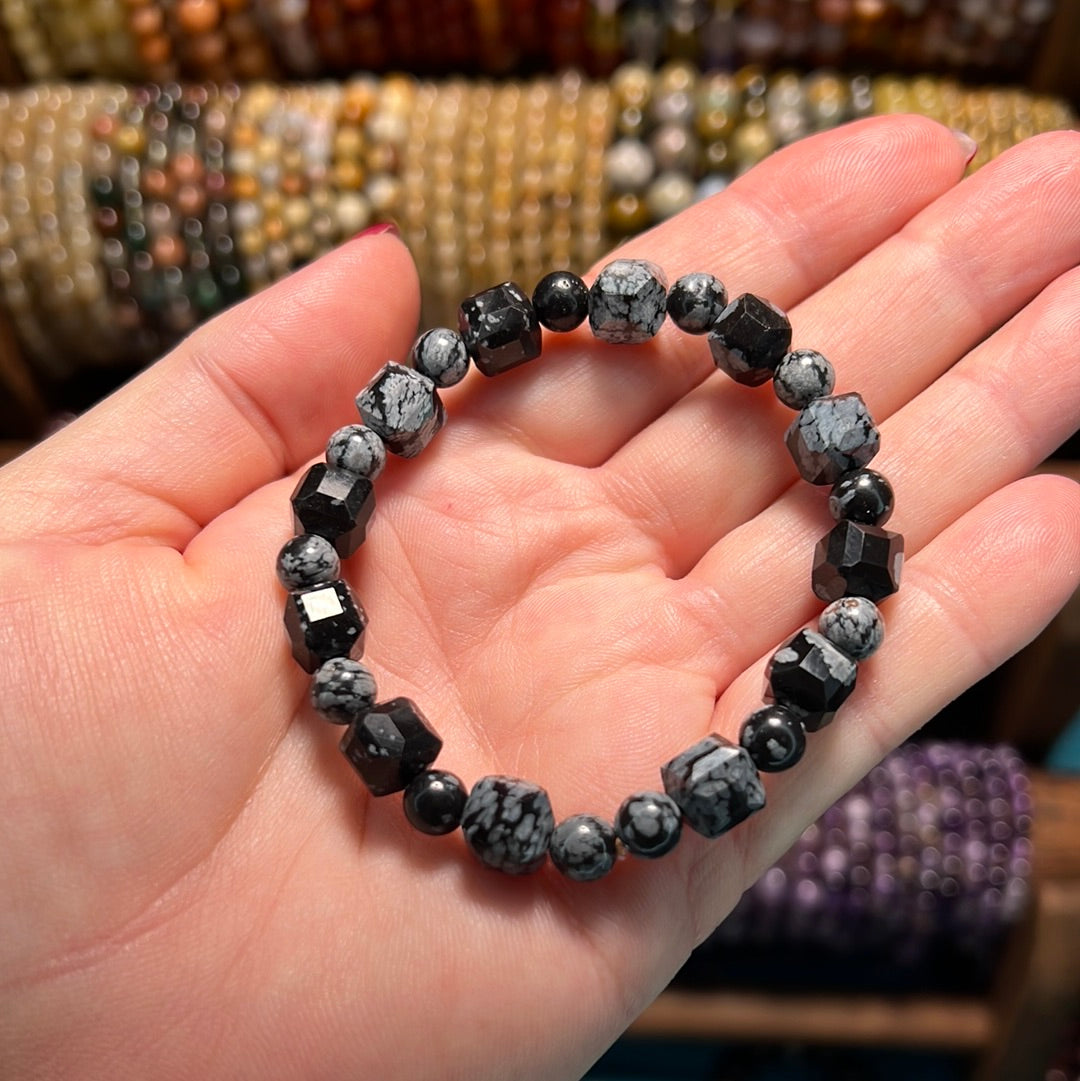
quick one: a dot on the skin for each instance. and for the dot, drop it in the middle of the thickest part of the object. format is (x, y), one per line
(583, 574)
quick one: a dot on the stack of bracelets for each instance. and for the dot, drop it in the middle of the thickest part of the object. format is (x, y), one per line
(711, 786)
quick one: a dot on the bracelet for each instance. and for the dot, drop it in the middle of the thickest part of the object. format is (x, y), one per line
(714, 784)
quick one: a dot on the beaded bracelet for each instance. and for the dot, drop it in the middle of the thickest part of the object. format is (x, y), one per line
(714, 784)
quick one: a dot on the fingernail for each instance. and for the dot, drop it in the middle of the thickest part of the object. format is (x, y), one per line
(967, 144)
(378, 230)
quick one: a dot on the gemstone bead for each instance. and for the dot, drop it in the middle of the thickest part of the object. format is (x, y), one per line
(561, 300)
(334, 504)
(403, 407)
(324, 622)
(342, 690)
(508, 824)
(649, 824)
(500, 328)
(306, 561)
(356, 449)
(802, 376)
(434, 802)
(862, 496)
(749, 339)
(695, 302)
(774, 738)
(854, 625)
(857, 560)
(627, 302)
(583, 848)
(390, 744)
(831, 437)
(715, 785)
(810, 677)
(440, 354)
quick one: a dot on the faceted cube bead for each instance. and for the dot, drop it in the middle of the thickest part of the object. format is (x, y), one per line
(334, 504)
(811, 678)
(508, 824)
(583, 848)
(324, 622)
(628, 302)
(774, 738)
(802, 376)
(440, 354)
(403, 407)
(749, 339)
(561, 300)
(390, 745)
(435, 801)
(862, 496)
(342, 690)
(500, 328)
(854, 625)
(649, 824)
(857, 560)
(714, 784)
(356, 449)
(695, 302)
(832, 436)
(306, 561)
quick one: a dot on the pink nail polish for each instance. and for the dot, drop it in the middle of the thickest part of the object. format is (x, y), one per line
(379, 229)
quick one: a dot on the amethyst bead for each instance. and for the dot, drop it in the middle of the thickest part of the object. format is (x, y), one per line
(403, 407)
(583, 848)
(508, 824)
(390, 744)
(434, 802)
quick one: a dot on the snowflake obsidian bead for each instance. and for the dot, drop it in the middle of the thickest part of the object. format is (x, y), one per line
(334, 504)
(500, 328)
(749, 339)
(802, 376)
(356, 449)
(342, 690)
(854, 625)
(811, 678)
(628, 302)
(774, 738)
(440, 354)
(306, 561)
(561, 300)
(324, 622)
(390, 745)
(403, 407)
(508, 824)
(714, 784)
(649, 824)
(856, 560)
(862, 496)
(434, 802)
(695, 303)
(583, 848)
(831, 437)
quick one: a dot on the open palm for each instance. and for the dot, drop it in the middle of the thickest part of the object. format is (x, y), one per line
(582, 575)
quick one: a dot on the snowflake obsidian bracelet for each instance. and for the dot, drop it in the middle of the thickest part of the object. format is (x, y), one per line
(711, 786)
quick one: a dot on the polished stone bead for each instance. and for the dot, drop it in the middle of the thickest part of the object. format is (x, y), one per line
(440, 354)
(434, 802)
(500, 328)
(390, 744)
(749, 339)
(334, 504)
(324, 622)
(856, 560)
(862, 496)
(508, 824)
(306, 561)
(802, 376)
(356, 449)
(715, 785)
(342, 690)
(811, 678)
(583, 848)
(774, 738)
(403, 407)
(831, 437)
(695, 302)
(649, 824)
(854, 625)
(561, 300)
(627, 301)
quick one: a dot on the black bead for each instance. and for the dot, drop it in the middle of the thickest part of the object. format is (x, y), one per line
(324, 622)
(390, 744)
(561, 300)
(334, 504)
(500, 328)
(695, 302)
(583, 848)
(832, 436)
(434, 802)
(856, 560)
(508, 824)
(863, 496)
(403, 407)
(649, 824)
(811, 678)
(749, 339)
(774, 738)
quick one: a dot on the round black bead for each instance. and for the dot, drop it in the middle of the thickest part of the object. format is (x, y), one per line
(774, 738)
(695, 302)
(649, 824)
(583, 848)
(862, 496)
(434, 802)
(561, 300)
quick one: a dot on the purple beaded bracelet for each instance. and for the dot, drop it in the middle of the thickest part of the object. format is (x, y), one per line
(711, 786)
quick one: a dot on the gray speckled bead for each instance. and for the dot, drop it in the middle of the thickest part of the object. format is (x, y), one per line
(628, 301)
(831, 437)
(508, 824)
(695, 302)
(649, 824)
(342, 690)
(802, 376)
(583, 848)
(307, 560)
(854, 625)
(356, 449)
(440, 354)
(715, 785)
(810, 677)
(402, 406)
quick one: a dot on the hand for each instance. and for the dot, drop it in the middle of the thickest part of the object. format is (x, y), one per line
(582, 575)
